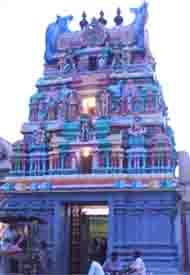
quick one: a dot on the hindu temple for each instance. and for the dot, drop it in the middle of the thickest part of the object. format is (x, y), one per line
(98, 159)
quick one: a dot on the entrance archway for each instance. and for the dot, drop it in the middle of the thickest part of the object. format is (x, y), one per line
(89, 227)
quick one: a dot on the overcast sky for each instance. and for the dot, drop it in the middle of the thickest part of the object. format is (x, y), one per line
(22, 29)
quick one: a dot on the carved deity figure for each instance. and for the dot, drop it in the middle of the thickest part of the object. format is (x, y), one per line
(116, 94)
(137, 129)
(42, 111)
(68, 63)
(54, 29)
(129, 92)
(136, 134)
(141, 16)
(39, 136)
(85, 131)
(52, 109)
(126, 105)
(102, 60)
(104, 102)
(33, 115)
(150, 104)
(118, 60)
(61, 110)
(73, 106)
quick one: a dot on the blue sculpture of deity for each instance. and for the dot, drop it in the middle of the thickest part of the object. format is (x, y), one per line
(116, 93)
(141, 15)
(116, 89)
(52, 33)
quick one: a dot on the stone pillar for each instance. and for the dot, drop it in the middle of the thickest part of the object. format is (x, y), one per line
(129, 161)
(107, 159)
(188, 232)
(95, 161)
(73, 162)
(121, 161)
(62, 160)
(144, 161)
(44, 160)
(110, 227)
(59, 238)
(78, 156)
(184, 231)
(30, 165)
(117, 225)
(184, 164)
(178, 236)
(184, 191)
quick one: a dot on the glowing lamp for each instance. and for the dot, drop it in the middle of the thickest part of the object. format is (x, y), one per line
(86, 152)
(88, 103)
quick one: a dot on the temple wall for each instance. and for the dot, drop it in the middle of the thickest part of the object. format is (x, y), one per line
(184, 191)
(145, 221)
(137, 220)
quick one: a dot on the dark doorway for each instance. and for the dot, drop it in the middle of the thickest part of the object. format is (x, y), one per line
(86, 164)
(88, 235)
(92, 63)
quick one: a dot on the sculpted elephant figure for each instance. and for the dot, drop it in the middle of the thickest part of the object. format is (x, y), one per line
(53, 30)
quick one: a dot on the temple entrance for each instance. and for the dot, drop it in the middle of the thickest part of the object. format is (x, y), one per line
(86, 164)
(89, 226)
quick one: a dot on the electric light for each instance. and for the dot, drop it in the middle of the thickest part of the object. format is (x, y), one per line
(88, 103)
(86, 152)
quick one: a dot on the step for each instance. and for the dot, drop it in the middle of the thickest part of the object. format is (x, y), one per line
(166, 271)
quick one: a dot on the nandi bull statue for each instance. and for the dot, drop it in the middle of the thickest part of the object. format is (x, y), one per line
(138, 25)
(61, 25)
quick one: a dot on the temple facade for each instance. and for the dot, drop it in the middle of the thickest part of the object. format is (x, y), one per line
(98, 158)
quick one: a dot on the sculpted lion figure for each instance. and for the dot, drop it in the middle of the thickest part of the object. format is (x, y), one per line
(138, 25)
(54, 29)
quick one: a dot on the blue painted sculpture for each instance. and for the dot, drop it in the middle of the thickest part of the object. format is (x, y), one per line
(53, 30)
(141, 14)
(116, 93)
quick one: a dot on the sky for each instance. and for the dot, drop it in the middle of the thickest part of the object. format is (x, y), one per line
(22, 28)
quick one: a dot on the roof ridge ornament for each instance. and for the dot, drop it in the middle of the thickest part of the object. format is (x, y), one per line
(83, 23)
(118, 19)
(102, 20)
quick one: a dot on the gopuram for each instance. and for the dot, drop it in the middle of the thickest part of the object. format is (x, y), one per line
(98, 158)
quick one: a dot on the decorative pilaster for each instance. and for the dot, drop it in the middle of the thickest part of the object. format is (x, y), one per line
(59, 235)
(119, 228)
(95, 161)
(121, 160)
(184, 210)
(107, 159)
(73, 162)
(62, 160)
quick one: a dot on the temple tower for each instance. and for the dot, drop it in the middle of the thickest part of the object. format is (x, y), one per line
(98, 124)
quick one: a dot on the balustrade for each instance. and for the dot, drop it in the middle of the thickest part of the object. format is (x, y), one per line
(102, 163)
